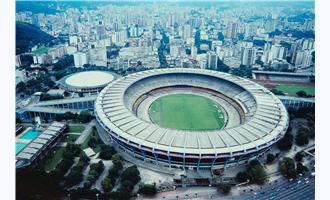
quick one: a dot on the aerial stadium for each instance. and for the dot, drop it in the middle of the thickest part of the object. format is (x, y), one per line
(86, 82)
(190, 118)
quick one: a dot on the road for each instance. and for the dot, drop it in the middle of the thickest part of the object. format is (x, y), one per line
(302, 187)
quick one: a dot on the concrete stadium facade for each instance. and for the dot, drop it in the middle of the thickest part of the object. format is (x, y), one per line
(262, 121)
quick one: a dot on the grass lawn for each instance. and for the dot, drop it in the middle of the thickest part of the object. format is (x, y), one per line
(41, 50)
(293, 89)
(71, 138)
(53, 158)
(186, 112)
(76, 128)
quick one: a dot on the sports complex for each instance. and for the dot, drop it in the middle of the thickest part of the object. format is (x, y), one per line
(87, 81)
(190, 118)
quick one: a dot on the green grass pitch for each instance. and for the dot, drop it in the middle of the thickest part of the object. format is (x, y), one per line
(186, 112)
(293, 89)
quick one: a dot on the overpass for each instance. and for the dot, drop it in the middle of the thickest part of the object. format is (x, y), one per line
(49, 109)
(297, 102)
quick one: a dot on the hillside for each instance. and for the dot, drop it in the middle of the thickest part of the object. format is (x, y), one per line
(28, 35)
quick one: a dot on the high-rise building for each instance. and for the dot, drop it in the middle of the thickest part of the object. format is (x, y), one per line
(248, 56)
(232, 30)
(307, 44)
(121, 37)
(175, 50)
(73, 40)
(100, 30)
(212, 60)
(303, 59)
(186, 31)
(193, 52)
(97, 56)
(277, 52)
(80, 58)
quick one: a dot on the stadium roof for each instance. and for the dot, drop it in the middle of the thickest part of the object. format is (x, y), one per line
(268, 124)
(88, 79)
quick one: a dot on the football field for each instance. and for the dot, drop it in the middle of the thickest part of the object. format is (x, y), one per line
(186, 112)
(293, 89)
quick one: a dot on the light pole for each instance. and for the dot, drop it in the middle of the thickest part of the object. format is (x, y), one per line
(69, 196)
(97, 196)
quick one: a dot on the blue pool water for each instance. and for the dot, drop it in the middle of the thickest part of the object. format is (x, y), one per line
(19, 147)
(30, 135)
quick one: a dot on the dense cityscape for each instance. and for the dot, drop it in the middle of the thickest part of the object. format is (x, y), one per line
(165, 100)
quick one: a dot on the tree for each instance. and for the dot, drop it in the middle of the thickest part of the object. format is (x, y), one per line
(222, 67)
(125, 189)
(18, 120)
(87, 184)
(285, 143)
(302, 137)
(288, 167)
(106, 152)
(95, 171)
(148, 189)
(254, 172)
(277, 92)
(301, 168)
(301, 93)
(69, 115)
(299, 156)
(242, 177)
(20, 87)
(270, 158)
(66, 93)
(85, 116)
(37, 184)
(225, 188)
(106, 184)
(131, 174)
(243, 71)
(117, 161)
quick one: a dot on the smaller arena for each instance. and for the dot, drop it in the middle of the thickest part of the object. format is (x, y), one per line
(88, 81)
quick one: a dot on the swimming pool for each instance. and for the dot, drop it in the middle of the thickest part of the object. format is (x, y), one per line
(30, 134)
(19, 147)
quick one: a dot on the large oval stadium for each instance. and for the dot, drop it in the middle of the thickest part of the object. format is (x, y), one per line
(190, 118)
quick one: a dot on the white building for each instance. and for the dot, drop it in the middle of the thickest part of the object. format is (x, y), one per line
(73, 40)
(71, 50)
(248, 56)
(212, 60)
(80, 58)
(303, 59)
(97, 56)
(193, 52)
(175, 50)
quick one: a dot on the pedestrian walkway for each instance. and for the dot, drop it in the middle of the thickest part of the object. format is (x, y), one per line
(84, 135)
(62, 144)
